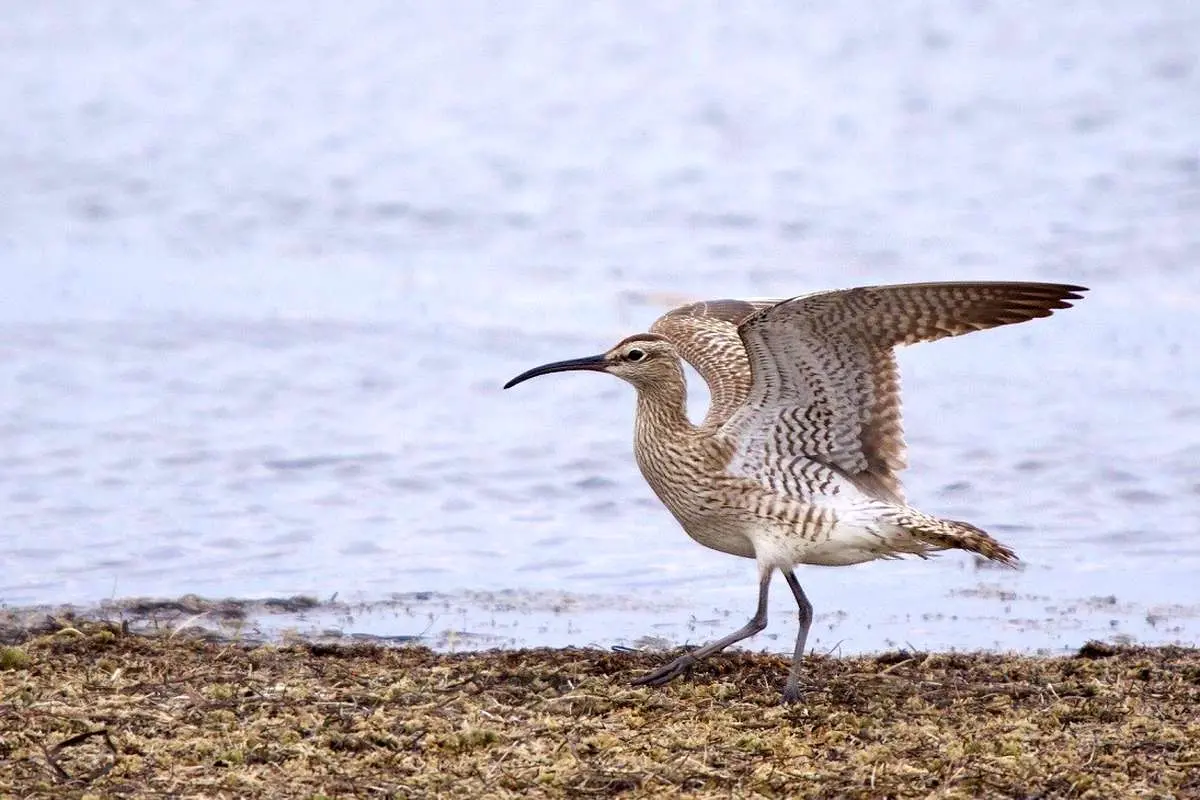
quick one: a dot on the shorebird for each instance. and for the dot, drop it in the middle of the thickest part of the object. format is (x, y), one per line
(797, 460)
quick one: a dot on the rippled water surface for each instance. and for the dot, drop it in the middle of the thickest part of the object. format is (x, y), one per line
(267, 265)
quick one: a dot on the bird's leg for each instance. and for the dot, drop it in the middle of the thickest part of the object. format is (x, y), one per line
(677, 667)
(791, 690)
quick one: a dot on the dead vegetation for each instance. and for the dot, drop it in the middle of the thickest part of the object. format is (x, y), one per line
(91, 711)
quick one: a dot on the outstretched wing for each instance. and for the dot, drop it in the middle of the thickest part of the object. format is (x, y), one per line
(706, 335)
(825, 386)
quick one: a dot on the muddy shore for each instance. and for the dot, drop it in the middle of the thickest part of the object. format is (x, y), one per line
(89, 708)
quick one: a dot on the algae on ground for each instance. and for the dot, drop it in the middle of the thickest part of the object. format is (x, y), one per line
(100, 712)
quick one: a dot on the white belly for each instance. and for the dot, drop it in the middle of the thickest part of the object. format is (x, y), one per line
(855, 538)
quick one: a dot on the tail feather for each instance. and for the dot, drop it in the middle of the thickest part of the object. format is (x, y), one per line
(952, 533)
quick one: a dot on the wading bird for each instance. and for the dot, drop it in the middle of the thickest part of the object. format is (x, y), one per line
(798, 458)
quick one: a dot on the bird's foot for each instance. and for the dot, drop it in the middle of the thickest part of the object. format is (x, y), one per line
(666, 673)
(792, 693)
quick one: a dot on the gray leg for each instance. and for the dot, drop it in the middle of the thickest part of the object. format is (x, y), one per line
(676, 668)
(791, 690)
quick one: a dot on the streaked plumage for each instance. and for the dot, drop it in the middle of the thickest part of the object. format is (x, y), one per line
(798, 458)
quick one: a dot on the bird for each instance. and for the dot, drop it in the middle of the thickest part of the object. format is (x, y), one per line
(798, 458)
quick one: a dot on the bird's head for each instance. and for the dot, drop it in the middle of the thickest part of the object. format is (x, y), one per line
(641, 359)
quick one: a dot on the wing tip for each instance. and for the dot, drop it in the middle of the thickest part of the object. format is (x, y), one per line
(1043, 299)
(1069, 291)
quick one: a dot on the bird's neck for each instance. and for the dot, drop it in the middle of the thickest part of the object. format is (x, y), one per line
(671, 450)
(662, 410)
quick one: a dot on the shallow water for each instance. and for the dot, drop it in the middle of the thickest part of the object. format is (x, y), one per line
(266, 272)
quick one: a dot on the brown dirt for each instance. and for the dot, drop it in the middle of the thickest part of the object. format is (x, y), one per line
(89, 710)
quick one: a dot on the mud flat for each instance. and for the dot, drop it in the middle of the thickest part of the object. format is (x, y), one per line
(88, 708)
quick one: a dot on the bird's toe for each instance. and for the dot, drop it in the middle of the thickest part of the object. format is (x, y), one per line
(664, 674)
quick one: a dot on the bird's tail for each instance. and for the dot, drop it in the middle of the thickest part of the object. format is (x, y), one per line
(951, 533)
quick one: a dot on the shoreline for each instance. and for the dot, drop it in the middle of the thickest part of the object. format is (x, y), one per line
(92, 709)
(986, 618)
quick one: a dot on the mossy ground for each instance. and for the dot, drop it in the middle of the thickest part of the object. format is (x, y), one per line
(90, 710)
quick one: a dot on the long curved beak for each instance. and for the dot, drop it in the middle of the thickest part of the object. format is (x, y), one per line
(595, 363)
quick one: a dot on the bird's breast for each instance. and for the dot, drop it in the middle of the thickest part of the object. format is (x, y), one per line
(690, 483)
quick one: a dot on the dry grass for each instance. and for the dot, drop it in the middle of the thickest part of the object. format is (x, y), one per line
(89, 710)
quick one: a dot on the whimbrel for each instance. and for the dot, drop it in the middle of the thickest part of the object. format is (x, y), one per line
(798, 458)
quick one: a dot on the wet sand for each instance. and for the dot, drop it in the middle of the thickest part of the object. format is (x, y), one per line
(88, 709)
(985, 616)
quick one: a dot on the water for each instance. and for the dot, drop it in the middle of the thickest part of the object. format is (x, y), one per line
(266, 266)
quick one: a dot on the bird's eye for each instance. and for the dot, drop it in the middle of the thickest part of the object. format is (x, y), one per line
(635, 355)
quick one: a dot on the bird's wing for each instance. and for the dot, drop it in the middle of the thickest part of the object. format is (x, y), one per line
(825, 387)
(706, 335)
